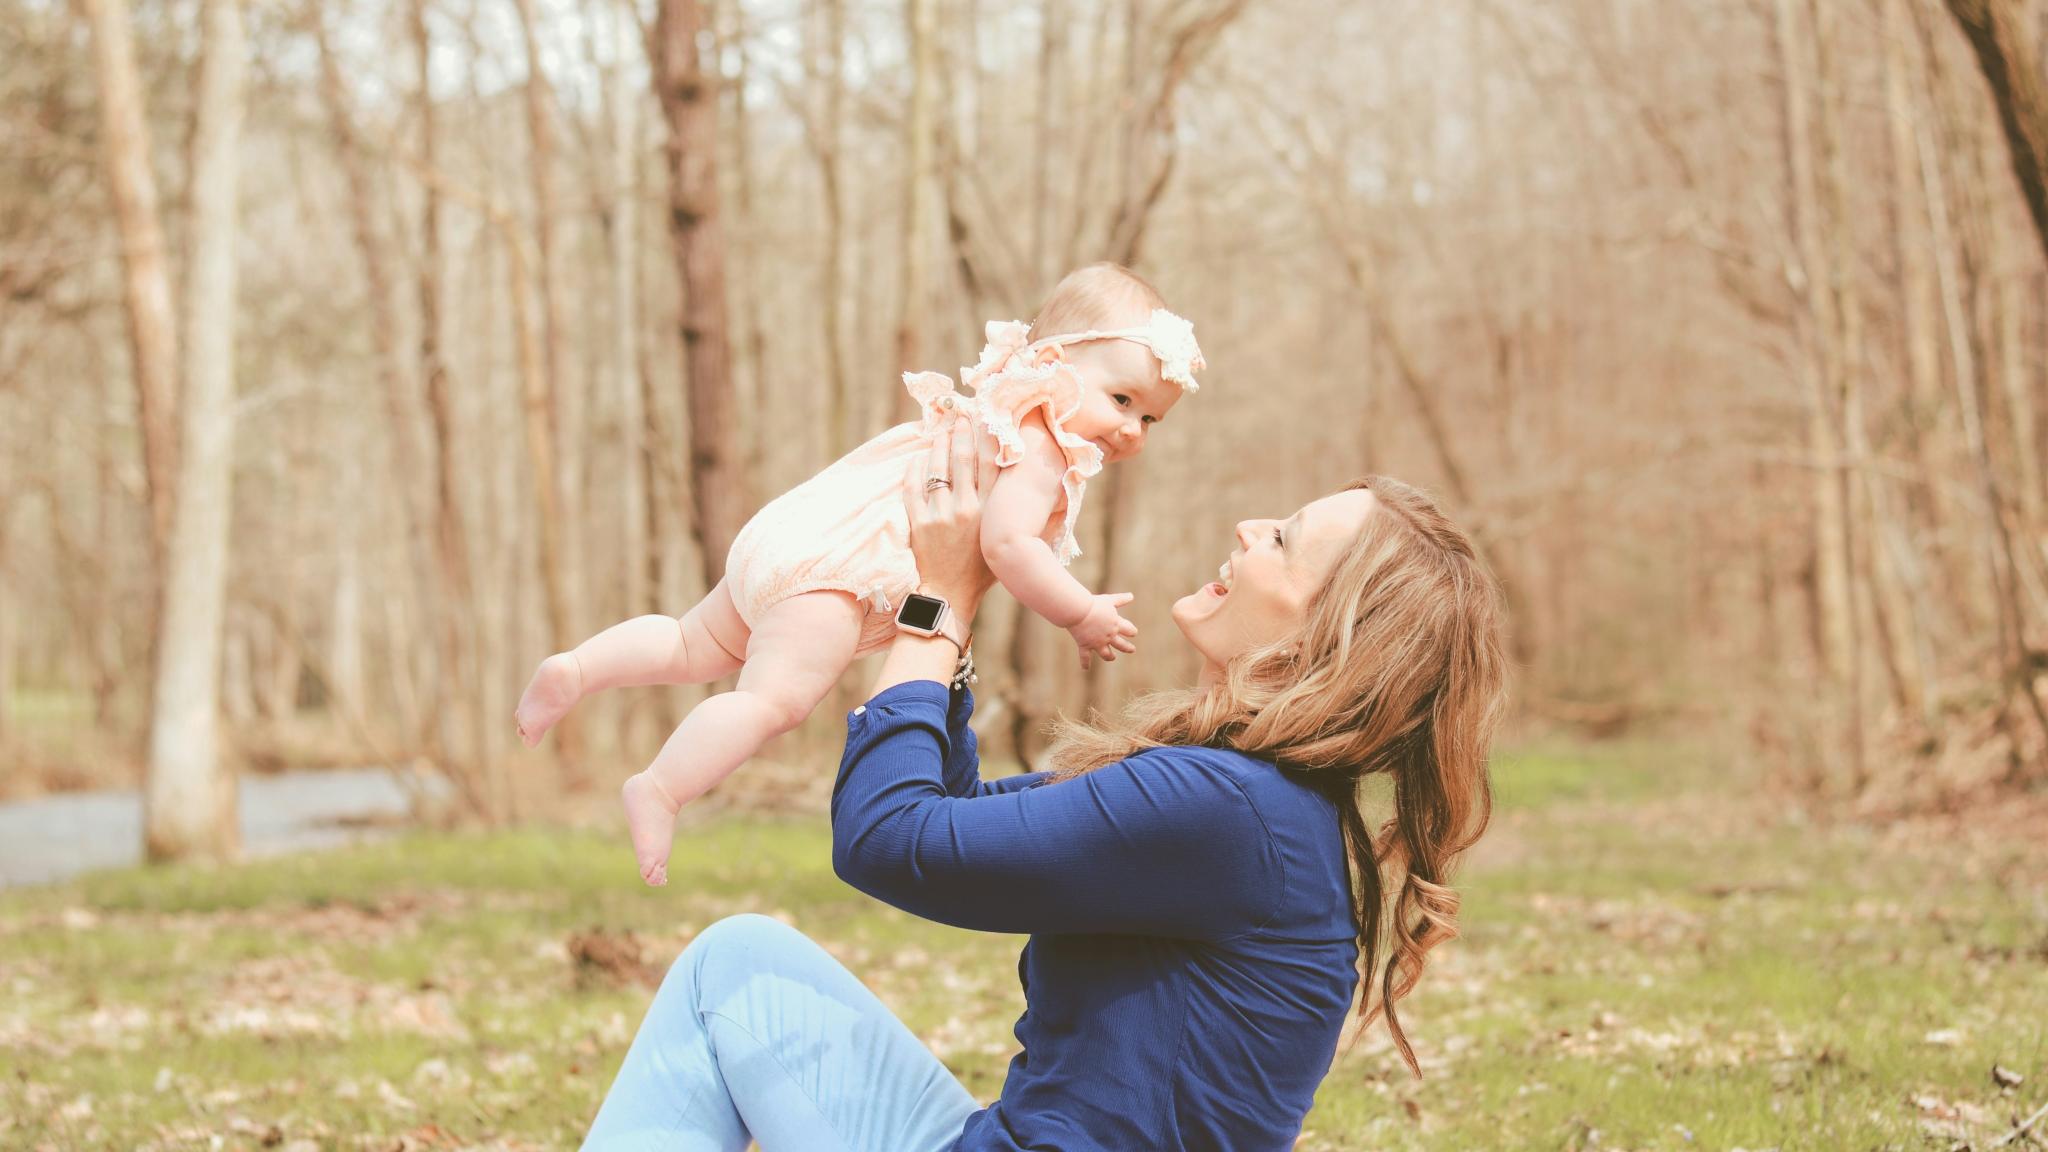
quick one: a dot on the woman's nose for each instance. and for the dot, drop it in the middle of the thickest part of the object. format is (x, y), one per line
(1245, 528)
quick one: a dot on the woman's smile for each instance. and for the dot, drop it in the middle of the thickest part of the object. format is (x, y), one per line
(1226, 576)
(1261, 590)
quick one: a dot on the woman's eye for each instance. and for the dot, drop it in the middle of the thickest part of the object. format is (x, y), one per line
(1122, 401)
(1277, 540)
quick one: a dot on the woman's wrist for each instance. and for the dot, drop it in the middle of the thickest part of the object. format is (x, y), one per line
(960, 604)
(913, 657)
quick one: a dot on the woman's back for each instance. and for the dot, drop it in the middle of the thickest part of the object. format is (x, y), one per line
(1151, 1041)
(1192, 950)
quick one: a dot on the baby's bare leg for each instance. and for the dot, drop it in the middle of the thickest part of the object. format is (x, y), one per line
(794, 658)
(704, 645)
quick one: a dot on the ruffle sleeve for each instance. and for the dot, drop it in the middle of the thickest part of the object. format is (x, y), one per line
(931, 390)
(1005, 399)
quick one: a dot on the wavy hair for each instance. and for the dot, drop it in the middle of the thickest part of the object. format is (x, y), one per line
(1399, 671)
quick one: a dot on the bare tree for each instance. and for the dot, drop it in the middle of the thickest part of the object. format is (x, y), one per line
(689, 104)
(922, 36)
(621, 104)
(1969, 377)
(1188, 32)
(1686, 327)
(146, 280)
(564, 403)
(456, 613)
(2005, 49)
(824, 134)
(395, 383)
(189, 801)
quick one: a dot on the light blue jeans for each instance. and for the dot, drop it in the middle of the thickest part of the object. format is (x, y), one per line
(758, 1034)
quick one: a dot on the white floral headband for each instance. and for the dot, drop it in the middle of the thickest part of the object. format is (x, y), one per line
(1169, 338)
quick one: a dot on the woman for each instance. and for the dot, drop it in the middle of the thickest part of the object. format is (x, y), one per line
(1201, 885)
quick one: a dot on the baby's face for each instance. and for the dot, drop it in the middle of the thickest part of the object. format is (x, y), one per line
(1122, 396)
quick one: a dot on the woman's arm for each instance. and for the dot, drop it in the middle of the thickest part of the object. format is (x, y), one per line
(1162, 843)
(963, 754)
(1165, 843)
(943, 527)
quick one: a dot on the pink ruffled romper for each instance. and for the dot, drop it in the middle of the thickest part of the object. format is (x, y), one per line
(846, 530)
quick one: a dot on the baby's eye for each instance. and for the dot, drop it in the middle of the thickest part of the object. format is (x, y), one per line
(1149, 421)
(1122, 401)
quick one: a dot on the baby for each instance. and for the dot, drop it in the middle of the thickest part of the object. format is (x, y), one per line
(815, 578)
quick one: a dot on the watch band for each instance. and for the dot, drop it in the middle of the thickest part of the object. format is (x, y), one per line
(951, 629)
(950, 626)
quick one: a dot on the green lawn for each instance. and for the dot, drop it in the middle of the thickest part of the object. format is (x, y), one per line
(1649, 961)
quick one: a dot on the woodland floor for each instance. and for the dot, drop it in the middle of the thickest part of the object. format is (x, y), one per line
(1652, 959)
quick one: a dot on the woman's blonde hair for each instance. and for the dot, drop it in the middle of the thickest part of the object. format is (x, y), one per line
(1398, 671)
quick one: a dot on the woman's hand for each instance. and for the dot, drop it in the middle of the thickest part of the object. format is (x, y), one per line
(943, 498)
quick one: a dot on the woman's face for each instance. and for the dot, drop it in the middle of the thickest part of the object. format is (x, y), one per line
(1263, 589)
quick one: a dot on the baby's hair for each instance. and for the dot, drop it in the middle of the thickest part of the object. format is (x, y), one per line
(1101, 295)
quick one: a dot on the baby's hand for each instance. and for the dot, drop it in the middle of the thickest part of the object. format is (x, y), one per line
(1103, 631)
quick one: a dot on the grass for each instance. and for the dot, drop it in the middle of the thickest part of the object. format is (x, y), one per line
(1650, 961)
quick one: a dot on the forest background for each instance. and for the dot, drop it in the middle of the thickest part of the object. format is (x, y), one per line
(355, 355)
(1723, 326)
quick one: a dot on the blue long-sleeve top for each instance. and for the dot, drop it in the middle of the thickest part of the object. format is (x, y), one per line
(1192, 948)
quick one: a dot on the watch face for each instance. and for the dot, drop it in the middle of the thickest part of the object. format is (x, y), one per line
(920, 612)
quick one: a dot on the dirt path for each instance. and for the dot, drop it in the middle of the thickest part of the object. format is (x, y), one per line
(56, 837)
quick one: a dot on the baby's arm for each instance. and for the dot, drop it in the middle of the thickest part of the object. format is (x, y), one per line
(1013, 519)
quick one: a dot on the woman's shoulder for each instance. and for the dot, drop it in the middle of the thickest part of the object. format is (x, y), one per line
(1274, 795)
(1250, 814)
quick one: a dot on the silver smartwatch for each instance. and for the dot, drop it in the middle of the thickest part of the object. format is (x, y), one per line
(923, 615)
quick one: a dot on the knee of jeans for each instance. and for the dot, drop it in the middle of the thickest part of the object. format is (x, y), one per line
(730, 951)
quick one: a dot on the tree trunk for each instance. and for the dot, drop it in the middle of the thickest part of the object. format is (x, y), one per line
(344, 664)
(689, 105)
(9, 610)
(538, 421)
(828, 63)
(2005, 52)
(238, 668)
(2019, 401)
(189, 800)
(1052, 38)
(917, 199)
(621, 108)
(146, 278)
(560, 406)
(565, 405)
(1150, 152)
(1911, 612)
(1968, 372)
(1821, 373)
(1845, 387)
(461, 748)
(394, 385)
(756, 399)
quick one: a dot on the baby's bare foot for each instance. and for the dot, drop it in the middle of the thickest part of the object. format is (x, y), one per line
(556, 686)
(651, 819)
